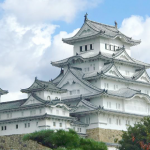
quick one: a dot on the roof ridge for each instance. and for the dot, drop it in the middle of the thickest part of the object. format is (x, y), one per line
(13, 101)
(101, 23)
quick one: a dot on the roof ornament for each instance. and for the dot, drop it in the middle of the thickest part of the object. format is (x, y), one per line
(116, 24)
(85, 17)
(123, 47)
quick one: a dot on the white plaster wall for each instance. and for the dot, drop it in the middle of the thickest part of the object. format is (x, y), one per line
(35, 125)
(95, 42)
(53, 95)
(116, 42)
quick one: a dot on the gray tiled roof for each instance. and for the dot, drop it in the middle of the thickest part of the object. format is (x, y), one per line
(12, 104)
(107, 67)
(35, 117)
(19, 103)
(58, 78)
(105, 56)
(102, 30)
(3, 92)
(124, 92)
(43, 85)
(79, 74)
(77, 122)
(89, 105)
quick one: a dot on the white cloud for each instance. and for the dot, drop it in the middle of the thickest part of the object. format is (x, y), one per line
(138, 28)
(26, 52)
(32, 11)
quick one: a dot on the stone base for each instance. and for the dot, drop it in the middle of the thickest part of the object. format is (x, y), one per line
(15, 142)
(104, 135)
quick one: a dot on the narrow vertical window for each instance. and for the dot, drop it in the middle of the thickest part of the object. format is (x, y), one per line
(5, 128)
(25, 125)
(54, 124)
(60, 124)
(91, 47)
(28, 125)
(80, 48)
(85, 47)
(16, 126)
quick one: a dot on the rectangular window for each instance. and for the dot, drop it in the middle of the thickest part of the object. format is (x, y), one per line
(127, 72)
(108, 104)
(36, 123)
(78, 91)
(40, 111)
(106, 85)
(127, 122)
(16, 126)
(28, 125)
(118, 122)
(22, 113)
(91, 47)
(88, 69)
(80, 48)
(85, 47)
(5, 128)
(112, 47)
(30, 112)
(54, 124)
(115, 87)
(25, 125)
(60, 124)
(2, 128)
(80, 129)
(70, 92)
(7, 115)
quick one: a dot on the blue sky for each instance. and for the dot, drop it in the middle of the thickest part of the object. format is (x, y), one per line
(107, 12)
(31, 33)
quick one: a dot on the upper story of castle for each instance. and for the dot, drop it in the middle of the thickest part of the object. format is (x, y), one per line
(95, 37)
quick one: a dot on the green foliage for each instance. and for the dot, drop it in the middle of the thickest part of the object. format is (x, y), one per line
(89, 144)
(134, 135)
(64, 140)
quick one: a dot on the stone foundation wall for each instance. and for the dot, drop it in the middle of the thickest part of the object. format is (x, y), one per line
(104, 135)
(15, 142)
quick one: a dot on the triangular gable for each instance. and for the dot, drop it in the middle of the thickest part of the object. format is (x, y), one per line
(85, 30)
(113, 71)
(124, 56)
(71, 83)
(144, 78)
(81, 107)
(32, 100)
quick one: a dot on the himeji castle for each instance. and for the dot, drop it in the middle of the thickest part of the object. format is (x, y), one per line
(100, 90)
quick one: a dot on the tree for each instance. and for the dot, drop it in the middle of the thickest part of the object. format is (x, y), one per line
(137, 137)
(64, 140)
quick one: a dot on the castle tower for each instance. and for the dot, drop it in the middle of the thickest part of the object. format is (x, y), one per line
(107, 88)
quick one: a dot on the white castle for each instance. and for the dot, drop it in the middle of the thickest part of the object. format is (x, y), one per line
(100, 90)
